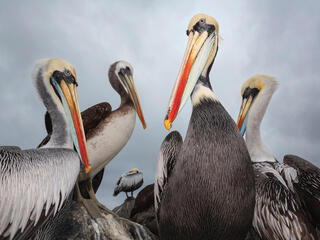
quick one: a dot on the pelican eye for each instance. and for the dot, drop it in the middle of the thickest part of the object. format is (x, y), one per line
(202, 26)
(67, 73)
(124, 71)
(250, 92)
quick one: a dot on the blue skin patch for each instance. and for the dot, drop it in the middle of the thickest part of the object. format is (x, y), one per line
(244, 125)
(68, 114)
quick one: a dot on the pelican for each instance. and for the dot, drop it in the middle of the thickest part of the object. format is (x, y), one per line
(91, 117)
(204, 185)
(308, 186)
(35, 183)
(129, 182)
(279, 212)
(107, 132)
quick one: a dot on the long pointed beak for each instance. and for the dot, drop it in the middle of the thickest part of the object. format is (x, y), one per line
(71, 104)
(243, 114)
(129, 85)
(194, 60)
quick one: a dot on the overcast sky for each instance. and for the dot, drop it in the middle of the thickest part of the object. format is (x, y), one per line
(280, 38)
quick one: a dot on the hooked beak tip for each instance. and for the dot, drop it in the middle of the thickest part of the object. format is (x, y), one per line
(88, 169)
(167, 124)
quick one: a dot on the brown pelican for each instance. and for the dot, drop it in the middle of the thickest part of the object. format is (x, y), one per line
(279, 213)
(91, 117)
(35, 183)
(129, 182)
(107, 132)
(308, 185)
(204, 186)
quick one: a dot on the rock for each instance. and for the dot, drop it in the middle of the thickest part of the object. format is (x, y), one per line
(140, 210)
(144, 200)
(76, 223)
(143, 211)
(148, 219)
(124, 210)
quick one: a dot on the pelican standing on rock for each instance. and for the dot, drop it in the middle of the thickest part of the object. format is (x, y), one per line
(204, 186)
(279, 212)
(107, 132)
(35, 183)
(129, 182)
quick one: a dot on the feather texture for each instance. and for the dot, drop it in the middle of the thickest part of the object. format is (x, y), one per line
(32, 183)
(128, 182)
(169, 150)
(308, 185)
(278, 211)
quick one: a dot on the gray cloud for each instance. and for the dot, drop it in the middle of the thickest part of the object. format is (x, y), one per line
(277, 38)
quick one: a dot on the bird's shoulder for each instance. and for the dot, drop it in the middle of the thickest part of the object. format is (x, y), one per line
(92, 116)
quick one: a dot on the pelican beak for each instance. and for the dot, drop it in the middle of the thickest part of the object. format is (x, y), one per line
(128, 84)
(243, 114)
(199, 48)
(69, 98)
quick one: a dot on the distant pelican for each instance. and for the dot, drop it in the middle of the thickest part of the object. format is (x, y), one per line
(204, 186)
(279, 213)
(107, 132)
(129, 182)
(35, 183)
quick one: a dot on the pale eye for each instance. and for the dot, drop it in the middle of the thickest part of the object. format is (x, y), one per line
(202, 20)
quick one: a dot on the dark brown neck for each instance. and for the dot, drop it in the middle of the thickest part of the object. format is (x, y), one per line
(125, 100)
(115, 83)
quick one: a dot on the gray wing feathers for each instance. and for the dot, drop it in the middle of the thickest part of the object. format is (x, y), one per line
(31, 182)
(308, 176)
(10, 148)
(308, 185)
(289, 174)
(278, 215)
(169, 151)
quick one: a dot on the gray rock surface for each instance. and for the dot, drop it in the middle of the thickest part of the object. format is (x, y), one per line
(140, 210)
(76, 223)
(143, 211)
(124, 210)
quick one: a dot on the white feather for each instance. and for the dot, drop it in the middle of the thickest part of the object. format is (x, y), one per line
(33, 183)
(108, 142)
(161, 174)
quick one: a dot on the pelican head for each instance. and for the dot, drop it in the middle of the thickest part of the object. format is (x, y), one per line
(250, 92)
(56, 82)
(134, 170)
(121, 79)
(201, 50)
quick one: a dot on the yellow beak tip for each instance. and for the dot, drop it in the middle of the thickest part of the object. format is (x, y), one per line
(88, 169)
(167, 124)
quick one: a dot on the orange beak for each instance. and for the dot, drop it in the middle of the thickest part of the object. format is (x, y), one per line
(243, 113)
(128, 84)
(197, 51)
(72, 111)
